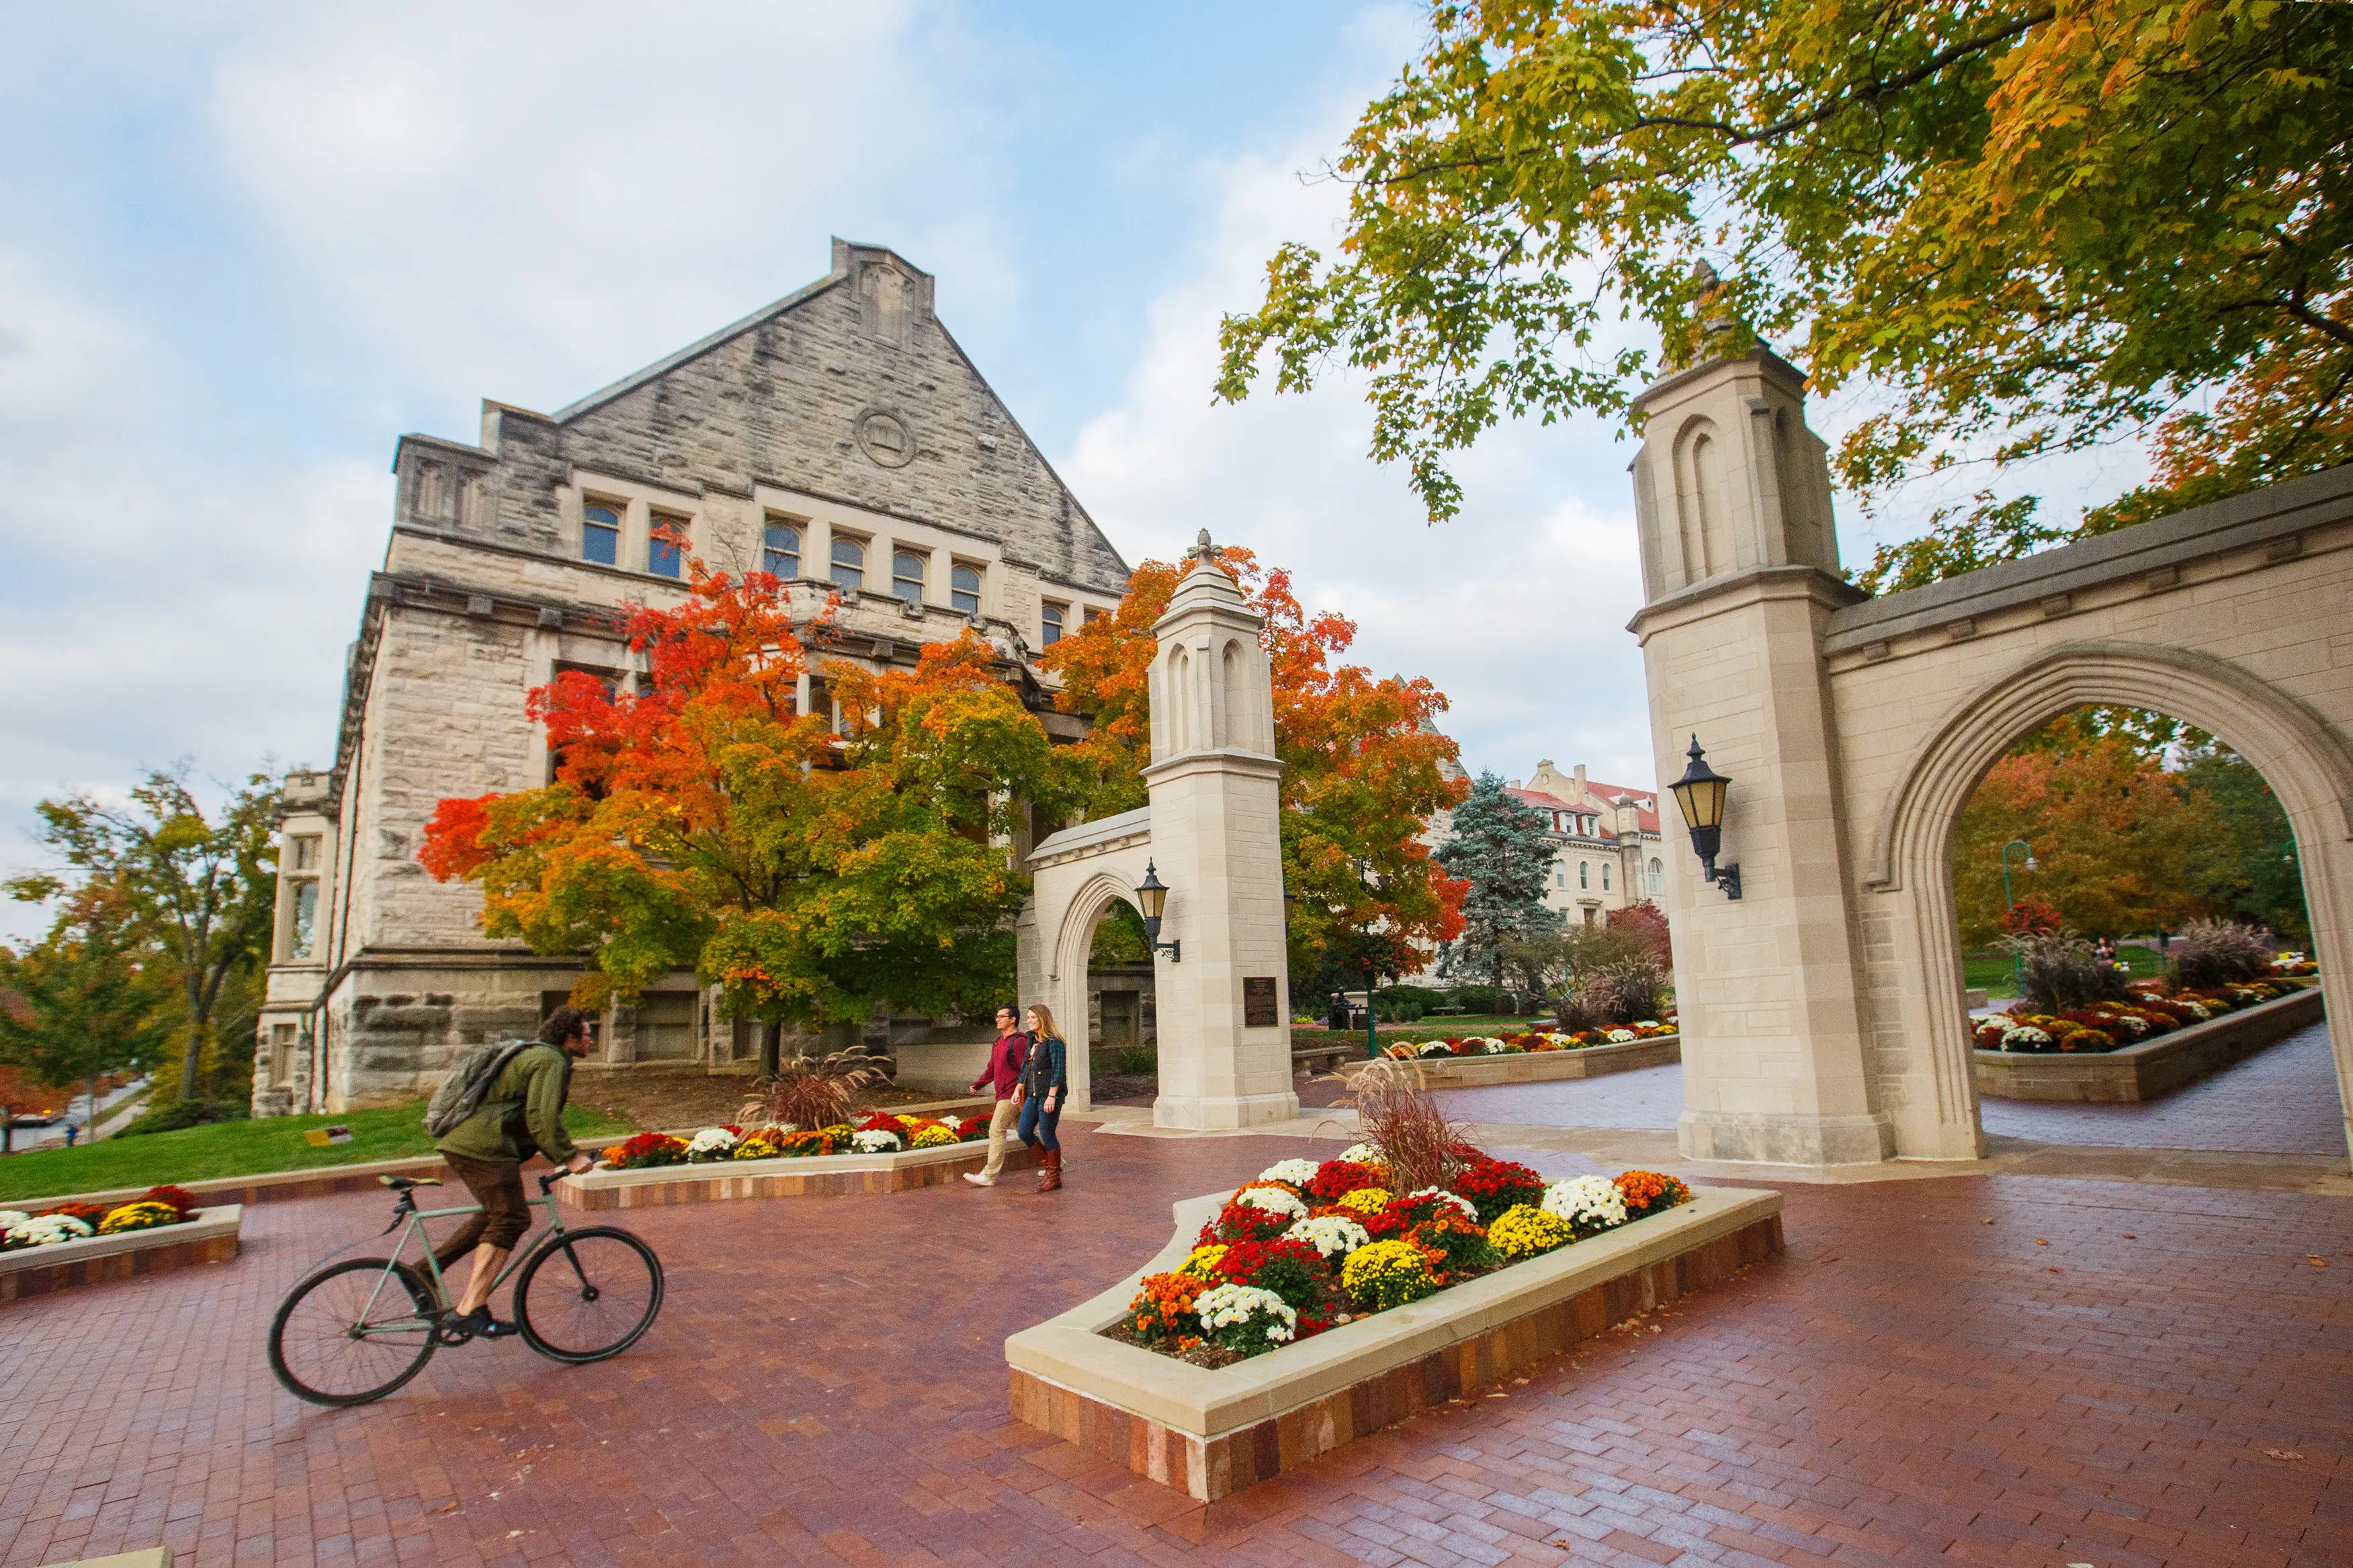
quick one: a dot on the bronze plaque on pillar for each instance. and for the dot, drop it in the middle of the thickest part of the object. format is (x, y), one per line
(1258, 1010)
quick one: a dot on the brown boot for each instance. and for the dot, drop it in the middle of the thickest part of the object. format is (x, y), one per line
(1050, 1171)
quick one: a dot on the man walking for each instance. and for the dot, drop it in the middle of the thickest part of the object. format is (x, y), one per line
(1004, 1072)
(521, 1114)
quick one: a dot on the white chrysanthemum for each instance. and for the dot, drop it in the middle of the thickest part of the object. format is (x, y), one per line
(1586, 1200)
(1469, 1211)
(10, 1219)
(1298, 1173)
(1433, 1049)
(1619, 1037)
(48, 1229)
(711, 1143)
(1221, 1306)
(1331, 1235)
(875, 1143)
(1273, 1200)
(1362, 1155)
(1646, 1023)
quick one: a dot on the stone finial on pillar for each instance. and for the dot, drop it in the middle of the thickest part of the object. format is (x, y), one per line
(1203, 550)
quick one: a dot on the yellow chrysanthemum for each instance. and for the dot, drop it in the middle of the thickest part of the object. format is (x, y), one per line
(933, 1136)
(1367, 1200)
(1385, 1274)
(1202, 1262)
(1524, 1230)
(137, 1216)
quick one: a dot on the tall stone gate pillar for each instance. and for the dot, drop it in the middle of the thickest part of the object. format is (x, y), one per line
(1224, 999)
(1739, 571)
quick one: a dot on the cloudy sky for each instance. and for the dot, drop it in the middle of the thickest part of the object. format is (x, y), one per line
(246, 247)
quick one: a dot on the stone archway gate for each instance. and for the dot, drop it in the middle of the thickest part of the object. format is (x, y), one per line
(1822, 1014)
(1212, 830)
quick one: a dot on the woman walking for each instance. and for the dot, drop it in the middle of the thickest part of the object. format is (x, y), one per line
(1045, 1088)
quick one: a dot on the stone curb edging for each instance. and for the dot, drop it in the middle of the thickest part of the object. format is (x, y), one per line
(268, 1186)
(2150, 1070)
(210, 1238)
(1211, 1433)
(820, 1176)
(1542, 1067)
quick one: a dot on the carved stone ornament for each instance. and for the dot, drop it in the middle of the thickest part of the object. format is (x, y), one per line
(884, 436)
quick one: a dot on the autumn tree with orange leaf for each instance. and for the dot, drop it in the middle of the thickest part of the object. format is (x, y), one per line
(1363, 765)
(704, 823)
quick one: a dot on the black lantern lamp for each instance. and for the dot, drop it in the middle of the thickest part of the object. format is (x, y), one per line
(1699, 793)
(1152, 898)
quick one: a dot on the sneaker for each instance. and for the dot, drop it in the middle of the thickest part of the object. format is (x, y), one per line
(977, 1180)
(477, 1324)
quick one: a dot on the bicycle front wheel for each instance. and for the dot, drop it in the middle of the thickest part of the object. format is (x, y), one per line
(353, 1332)
(587, 1294)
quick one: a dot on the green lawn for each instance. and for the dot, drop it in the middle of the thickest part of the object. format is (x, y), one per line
(1991, 969)
(237, 1149)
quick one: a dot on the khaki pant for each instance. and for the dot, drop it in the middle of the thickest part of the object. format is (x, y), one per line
(1000, 1123)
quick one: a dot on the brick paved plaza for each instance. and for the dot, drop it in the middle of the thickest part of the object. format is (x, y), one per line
(2169, 1380)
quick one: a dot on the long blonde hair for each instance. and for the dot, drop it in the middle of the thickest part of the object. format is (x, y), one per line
(1045, 1020)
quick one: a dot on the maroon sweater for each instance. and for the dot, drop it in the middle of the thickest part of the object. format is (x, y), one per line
(1005, 1061)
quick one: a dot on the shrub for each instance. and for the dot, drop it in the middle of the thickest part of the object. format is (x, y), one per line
(182, 1114)
(2059, 971)
(2219, 952)
(1402, 1119)
(1245, 1317)
(1460, 1241)
(810, 1091)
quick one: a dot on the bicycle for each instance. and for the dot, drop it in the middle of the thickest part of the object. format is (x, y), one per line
(357, 1330)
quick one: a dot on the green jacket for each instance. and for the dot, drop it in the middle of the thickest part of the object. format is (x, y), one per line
(523, 1112)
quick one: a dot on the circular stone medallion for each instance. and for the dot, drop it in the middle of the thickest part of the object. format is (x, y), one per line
(884, 436)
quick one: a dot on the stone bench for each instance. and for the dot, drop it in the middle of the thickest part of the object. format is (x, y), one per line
(1328, 1057)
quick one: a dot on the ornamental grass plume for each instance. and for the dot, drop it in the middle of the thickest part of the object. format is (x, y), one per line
(810, 1091)
(1401, 1118)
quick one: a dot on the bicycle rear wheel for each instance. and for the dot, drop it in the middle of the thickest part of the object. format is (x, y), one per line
(353, 1332)
(587, 1294)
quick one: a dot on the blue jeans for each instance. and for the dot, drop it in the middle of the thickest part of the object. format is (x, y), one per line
(1038, 1124)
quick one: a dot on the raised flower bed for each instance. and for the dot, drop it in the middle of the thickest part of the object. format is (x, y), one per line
(883, 1153)
(1473, 1061)
(2136, 1051)
(82, 1243)
(1248, 1347)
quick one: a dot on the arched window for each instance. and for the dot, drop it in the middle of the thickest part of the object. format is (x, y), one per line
(600, 535)
(1050, 623)
(780, 550)
(907, 576)
(849, 565)
(964, 590)
(1584, 873)
(1657, 877)
(1605, 875)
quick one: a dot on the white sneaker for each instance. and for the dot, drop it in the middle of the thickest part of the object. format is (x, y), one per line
(978, 1179)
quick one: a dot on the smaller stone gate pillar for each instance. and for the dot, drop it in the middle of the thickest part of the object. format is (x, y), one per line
(1224, 1001)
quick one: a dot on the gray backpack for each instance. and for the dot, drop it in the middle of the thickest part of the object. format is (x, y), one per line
(462, 1092)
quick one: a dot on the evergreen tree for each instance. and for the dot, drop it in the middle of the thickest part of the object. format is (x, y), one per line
(1499, 847)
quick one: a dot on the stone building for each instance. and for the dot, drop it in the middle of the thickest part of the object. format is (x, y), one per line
(1605, 841)
(838, 438)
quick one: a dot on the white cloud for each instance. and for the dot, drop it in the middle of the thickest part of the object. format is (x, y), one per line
(1516, 609)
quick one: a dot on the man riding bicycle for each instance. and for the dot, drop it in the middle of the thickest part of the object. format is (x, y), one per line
(521, 1114)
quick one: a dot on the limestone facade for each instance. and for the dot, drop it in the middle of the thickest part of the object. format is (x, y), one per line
(1822, 1012)
(838, 437)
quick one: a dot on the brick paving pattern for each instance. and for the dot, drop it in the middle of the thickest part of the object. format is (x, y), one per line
(2280, 1101)
(2168, 1380)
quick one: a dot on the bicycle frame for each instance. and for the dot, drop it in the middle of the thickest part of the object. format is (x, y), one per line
(410, 1221)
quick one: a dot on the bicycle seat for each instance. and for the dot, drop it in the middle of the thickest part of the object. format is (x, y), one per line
(402, 1184)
